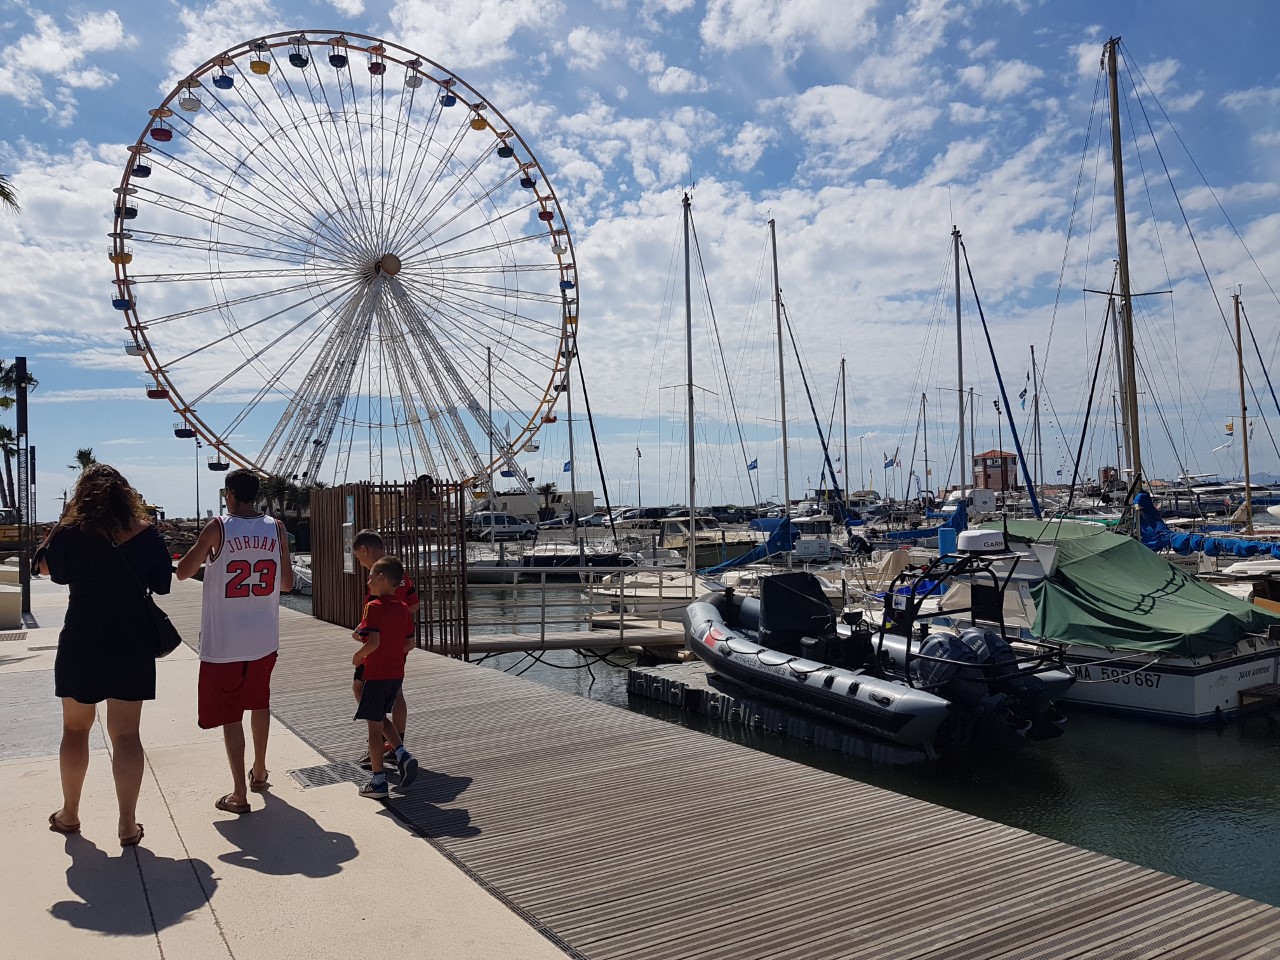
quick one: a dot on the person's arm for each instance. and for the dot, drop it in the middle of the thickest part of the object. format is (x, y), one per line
(286, 565)
(411, 599)
(201, 550)
(41, 558)
(370, 644)
(160, 577)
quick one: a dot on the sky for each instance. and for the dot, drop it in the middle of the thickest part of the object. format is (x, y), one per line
(864, 130)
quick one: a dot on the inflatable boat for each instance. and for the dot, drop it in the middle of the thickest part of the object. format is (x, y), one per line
(928, 685)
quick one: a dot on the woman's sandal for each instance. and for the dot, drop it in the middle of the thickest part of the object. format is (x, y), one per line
(259, 786)
(229, 805)
(134, 840)
(57, 826)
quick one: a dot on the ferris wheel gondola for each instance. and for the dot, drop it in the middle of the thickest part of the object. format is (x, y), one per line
(344, 263)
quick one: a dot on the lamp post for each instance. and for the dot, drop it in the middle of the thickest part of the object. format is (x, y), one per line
(198, 446)
(999, 444)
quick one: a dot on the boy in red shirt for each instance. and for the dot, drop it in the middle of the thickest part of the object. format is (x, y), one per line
(368, 549)
(386, 637)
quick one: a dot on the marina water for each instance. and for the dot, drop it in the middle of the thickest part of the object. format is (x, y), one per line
(1202, 803)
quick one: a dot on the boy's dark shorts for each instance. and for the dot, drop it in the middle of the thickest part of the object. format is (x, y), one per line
(377, 698)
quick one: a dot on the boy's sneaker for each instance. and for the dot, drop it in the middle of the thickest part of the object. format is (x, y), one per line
(408, 770)
(367, 764)
(375, 789)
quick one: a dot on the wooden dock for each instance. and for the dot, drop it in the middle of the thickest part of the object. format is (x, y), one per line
(623, 837)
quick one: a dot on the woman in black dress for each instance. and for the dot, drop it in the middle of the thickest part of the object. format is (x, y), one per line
(105, 548)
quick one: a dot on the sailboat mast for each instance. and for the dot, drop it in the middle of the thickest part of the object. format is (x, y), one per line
(573, 466)
(1244, 423)
(1037, 478)
(965, 472)
(1129, 400)
(924, 419)
(844, 417)
(691, 558)
(782, 378)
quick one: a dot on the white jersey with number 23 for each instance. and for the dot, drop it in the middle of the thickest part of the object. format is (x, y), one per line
(240, 615)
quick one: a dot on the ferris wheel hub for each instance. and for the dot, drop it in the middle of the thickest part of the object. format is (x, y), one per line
(389, 264)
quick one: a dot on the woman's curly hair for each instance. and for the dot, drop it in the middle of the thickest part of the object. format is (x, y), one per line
(103, 502)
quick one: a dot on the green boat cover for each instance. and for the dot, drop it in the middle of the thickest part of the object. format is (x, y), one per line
(1111, 591)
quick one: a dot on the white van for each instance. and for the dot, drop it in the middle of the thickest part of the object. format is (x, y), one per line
(488, 525)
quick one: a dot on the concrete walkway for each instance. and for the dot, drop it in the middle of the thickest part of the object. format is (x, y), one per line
(311, 873)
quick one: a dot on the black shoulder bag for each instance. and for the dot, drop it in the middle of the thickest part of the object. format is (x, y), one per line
(166, 637)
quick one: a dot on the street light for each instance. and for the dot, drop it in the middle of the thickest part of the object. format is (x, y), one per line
(999, 445)
(198, 446)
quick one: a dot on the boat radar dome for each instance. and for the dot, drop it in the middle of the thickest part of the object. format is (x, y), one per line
(980, 541)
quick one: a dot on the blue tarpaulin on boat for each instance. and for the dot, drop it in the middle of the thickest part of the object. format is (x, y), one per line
(1157, 535)
(782, 539)
(958, 521)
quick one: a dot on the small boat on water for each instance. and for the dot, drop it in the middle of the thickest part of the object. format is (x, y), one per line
(302, 573)
(938, 689)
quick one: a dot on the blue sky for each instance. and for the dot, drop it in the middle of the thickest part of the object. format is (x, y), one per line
(864, 129)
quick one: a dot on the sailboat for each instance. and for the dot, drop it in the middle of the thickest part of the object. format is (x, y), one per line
(1144, 637)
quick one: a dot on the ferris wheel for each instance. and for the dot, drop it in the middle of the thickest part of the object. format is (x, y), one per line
(338, 261)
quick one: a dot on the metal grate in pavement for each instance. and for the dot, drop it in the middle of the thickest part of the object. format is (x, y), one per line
(326, 775)
(13, 635)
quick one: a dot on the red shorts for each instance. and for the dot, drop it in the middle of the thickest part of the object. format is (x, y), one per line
(227, 690)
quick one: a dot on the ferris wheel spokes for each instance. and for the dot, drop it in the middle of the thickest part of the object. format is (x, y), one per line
(366, 244)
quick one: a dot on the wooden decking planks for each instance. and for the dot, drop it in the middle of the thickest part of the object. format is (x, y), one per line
(628, 838)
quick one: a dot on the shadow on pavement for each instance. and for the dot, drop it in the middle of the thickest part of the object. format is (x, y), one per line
(109, 888)
(282, 840)
(420, 806)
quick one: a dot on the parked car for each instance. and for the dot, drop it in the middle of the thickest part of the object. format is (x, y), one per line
(730, 514)
(555, 523)
(489, 525)
(640, 518)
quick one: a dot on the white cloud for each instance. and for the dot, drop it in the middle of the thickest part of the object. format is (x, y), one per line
(847, 128)
(1255, 98)
(350, 8)
(749, 145)
(965, 113)
(60, 56)
(216, 27)
(677, 80)
(463, 34)
(787, 26)
(587, 48)
(1000, 81)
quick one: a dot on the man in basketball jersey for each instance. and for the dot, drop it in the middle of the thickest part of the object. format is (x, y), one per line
(246, 565)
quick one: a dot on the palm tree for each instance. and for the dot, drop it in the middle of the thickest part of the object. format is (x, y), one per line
(546, 491)
(9, 444)
(9, 383)
(84, 458)
(8, 195)
(274, 491)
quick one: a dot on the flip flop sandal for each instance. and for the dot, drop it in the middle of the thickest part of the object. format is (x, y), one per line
(259, 786)
(229, 805)
(134, 840)
(57, 826)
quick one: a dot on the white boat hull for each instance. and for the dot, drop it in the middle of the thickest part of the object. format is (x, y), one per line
(1179, 690)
